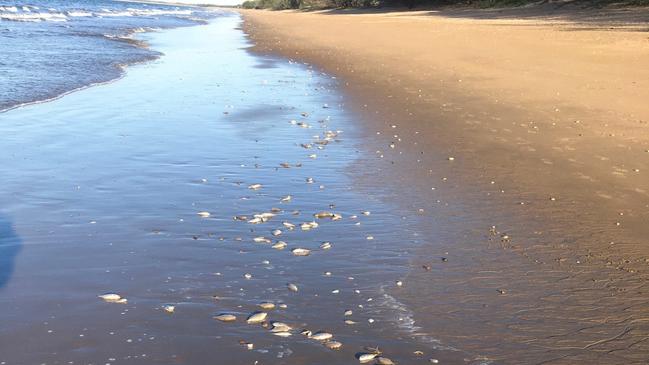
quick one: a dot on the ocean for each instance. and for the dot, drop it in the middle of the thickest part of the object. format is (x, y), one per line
(49, 48)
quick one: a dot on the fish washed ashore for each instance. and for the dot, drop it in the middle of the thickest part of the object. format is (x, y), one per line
(518, 142)
(197, 211)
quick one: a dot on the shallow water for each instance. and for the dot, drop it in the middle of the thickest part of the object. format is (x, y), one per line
(101, 191)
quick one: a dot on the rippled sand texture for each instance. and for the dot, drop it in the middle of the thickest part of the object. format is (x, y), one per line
(132, 188)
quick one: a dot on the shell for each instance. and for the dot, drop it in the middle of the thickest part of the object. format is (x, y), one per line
(257, 317)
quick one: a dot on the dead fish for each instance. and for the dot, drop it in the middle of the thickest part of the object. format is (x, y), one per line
(333, 345)
(348, 312)
(280, 245)
(289, 225)
(110, 297)
(324, 214)
(306, 145)
(286, 198)
(283, 334)
(309, 225)
(292, 287)
(203, 214)
(257, 317)
(169, 308)
(276, 232)
(225, 317)
(301, 252)
(247, 276)
(266, 305)
(325, 245)
(309, 180)
(383, 361)
(261, 240)
(280, 326)
(254, 186)
(265, 216)
(321, 336)
(285, 165)
(366, 357)
(240, 218)
(350, 322)
(256, 220)
(336, 217)
(306, 333)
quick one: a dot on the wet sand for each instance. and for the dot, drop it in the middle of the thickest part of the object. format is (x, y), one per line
(532, 122)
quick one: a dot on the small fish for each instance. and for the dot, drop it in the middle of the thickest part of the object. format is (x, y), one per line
(280, 245)
(257, 317)
(267, 305)
(169, 308)
(286, 199)
(322, 215)
(276, 232)
(383, 361)
(282, 334)
(321, 336)
(203, 214)
(292, 287)
(225, 317)
(289, 225)
(366, 357)
(110, 297)
(333, 345)
(254, 186)
(261, 240)
(325, 245)
(301, 252)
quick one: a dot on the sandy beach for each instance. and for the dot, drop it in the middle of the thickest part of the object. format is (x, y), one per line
(434, 187)
(523, 136)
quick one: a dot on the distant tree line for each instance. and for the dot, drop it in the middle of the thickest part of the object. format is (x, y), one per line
(323, 4)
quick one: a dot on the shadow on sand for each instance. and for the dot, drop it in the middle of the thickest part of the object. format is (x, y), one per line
(10, 245)
(593, 14)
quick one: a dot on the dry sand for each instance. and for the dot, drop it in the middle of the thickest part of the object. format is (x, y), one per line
(546, 114)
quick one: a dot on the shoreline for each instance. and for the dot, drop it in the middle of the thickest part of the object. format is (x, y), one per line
(559, 176)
